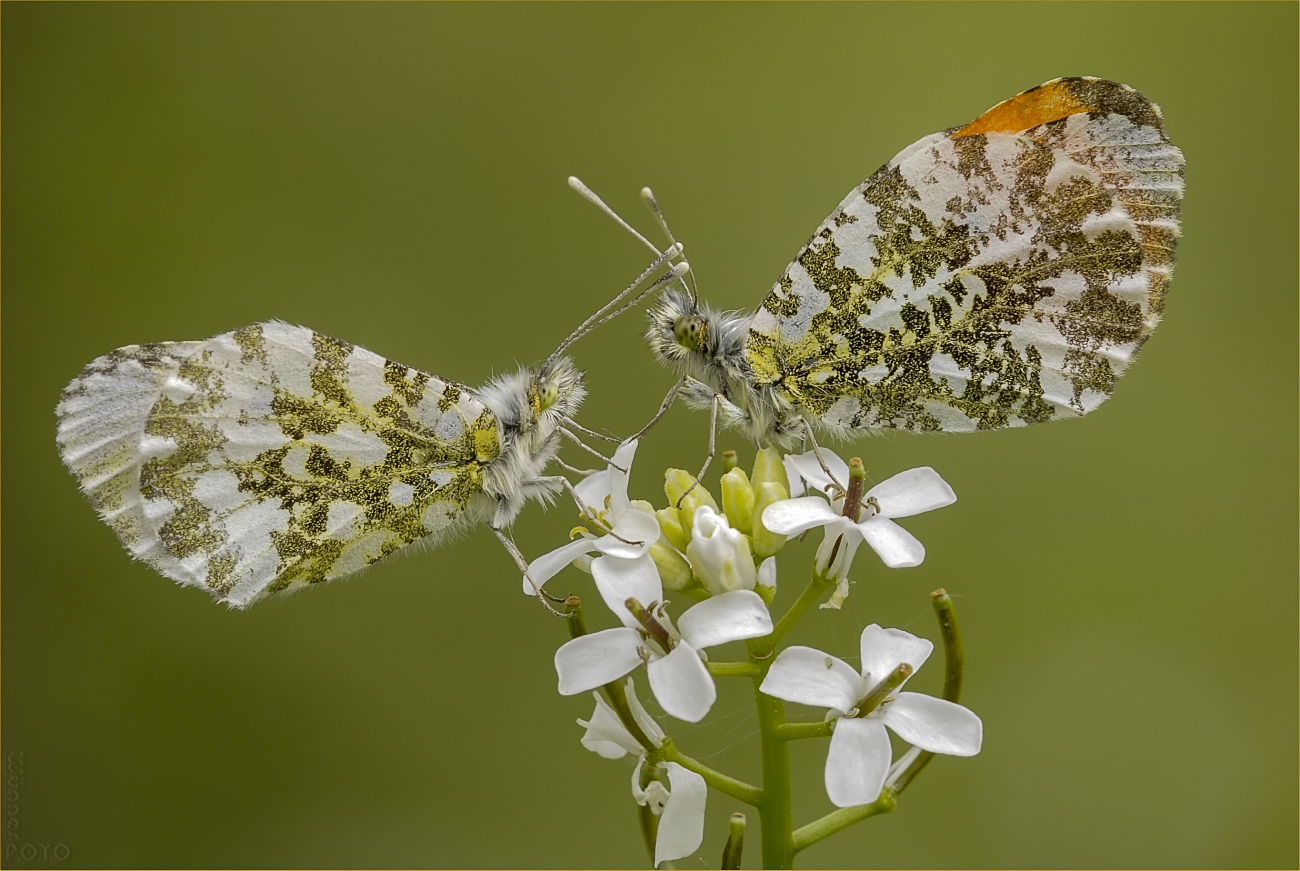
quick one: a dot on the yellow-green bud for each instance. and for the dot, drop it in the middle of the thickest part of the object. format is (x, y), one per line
(729, 461)
(767, 543)
(674, 570)
(738, 500)
(768, 467)
(670, 523)
(676, 483)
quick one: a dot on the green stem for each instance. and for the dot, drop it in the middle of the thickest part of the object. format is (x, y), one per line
(614, 692)
(841, 819)
(617, 698)
(735, 847)
(776, 811)
(798, 731)
(733, 669)
(723, 783)
(954, 669)
(761, 648)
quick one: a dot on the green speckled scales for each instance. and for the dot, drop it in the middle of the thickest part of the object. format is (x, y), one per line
(999, 274)
(272, 457)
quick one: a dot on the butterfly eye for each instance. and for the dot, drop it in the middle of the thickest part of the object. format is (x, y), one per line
(548, 393)
(689, 331)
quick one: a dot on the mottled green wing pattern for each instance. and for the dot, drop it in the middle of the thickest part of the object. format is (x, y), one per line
(272, 457)
(1000, 274)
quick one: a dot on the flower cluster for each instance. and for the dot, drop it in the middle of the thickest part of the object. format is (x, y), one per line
(722, 557)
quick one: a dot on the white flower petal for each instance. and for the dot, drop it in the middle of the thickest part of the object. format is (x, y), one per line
(935, 724)
(618, 480)
(897, 547)
(621, 579)
(589, 661)
(637, 792)
(638, 530)
(810, 469)
(682, 684)
(606, 735)
(607, 484)
(642, 716)
(912, 492)
(681, 828)
(900, 765)
(848, 536)
(593, 490)
(857, 762)
(767, 573)
(884, 650)
(793, 516)
(548, 565)
(810, 677)
(792, 475)
(732, 616)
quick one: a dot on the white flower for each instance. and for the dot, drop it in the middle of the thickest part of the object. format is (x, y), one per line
(604, 502)
(858, 760)
(677, 675)
(680, 809)
(720, 555)
(907, 493)
(608, 737)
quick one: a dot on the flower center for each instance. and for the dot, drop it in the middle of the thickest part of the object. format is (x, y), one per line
(651, 629)
(882, 693)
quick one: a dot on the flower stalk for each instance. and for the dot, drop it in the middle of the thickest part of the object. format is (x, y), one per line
(722, 561)
(735, 846)
(614, 692)
(954, 665)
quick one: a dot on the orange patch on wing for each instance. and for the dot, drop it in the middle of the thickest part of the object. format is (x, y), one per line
(1050, 102)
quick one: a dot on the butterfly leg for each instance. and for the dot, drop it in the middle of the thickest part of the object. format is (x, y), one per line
(595, 453)
(817, 451)
(591, 432)
(582, 507)
(713, 441)
(574, 469)
(513, 550)
(663, 408)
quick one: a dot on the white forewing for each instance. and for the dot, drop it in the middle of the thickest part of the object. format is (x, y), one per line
(272, 457)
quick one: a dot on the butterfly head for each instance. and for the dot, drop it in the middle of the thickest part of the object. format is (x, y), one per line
(556, 390)
(696, 340)
(679, 330)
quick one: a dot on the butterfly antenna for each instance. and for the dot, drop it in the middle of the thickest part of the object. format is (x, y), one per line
(590, 195)
(605, 313)
(648, 197)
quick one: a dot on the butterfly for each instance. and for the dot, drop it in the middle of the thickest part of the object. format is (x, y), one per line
(1001, 273)
(273, 457)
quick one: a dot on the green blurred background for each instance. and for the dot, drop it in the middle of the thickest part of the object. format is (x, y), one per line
(1127, 583)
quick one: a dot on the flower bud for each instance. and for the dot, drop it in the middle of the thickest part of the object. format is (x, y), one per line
(767, 543)
(678, 483)
(729, 461)
(766, 587)
(670, 524)
(674, 570)
(769, 467)
(738, 500)
(719, 554)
